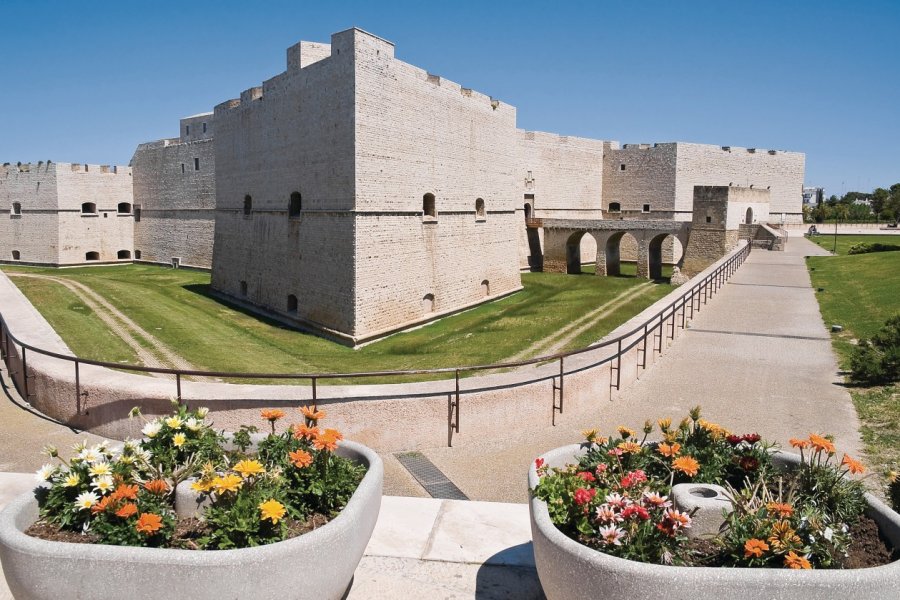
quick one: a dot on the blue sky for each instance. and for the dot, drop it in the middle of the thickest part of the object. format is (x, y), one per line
(88, 81)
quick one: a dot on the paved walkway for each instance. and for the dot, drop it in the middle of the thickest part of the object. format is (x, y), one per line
(757, 358)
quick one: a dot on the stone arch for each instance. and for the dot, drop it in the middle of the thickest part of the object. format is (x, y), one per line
(93, 255)
(485, 287)
(581, 244)
(429, 206)
(123, 208)
(122, 254)
(528, 210)
(748, 217)
(655, 255)
(88, 208)
(292, 304)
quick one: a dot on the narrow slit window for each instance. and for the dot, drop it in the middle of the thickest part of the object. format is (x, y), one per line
(248, 204)
(429, 208)
(296, 204)
(196, 164)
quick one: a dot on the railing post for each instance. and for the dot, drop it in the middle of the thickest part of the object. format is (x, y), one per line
(315, 397)
(661, 334)
(24, 374)
(644, 354)
(561, 383)
(619, 366)
(683, 310)
(672, 332)
(178, 386)
(77, 389)
(453, 413)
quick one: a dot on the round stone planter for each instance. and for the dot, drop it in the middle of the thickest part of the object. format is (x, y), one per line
(571, 571)
(318, 564)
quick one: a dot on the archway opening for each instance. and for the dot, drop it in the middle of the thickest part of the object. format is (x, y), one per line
(528, 211)
(485, 288)
(292, 304)
(428, 304)
(581, 247)
(123, 254)
(748, 219)
(660, 256)
(91, 256)
(621, 248)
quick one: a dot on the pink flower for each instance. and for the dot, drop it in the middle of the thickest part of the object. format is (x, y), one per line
(601, 468)
(606, 514)
(583, 495)
(616, 500)
(615, 452)
(633, 478)
(655, 500)
(612, 535)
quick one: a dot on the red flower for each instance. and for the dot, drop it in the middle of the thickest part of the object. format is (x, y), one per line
(583, 495)
(734, 440)
(748, 463)
(601, 468)
(538, 463)
(635, 510)
(632, 478)
(751, 438)
(585, 475)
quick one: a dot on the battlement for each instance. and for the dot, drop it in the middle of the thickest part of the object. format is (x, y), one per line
(28, 167)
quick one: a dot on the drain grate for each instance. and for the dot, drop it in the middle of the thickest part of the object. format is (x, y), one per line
(430, 477)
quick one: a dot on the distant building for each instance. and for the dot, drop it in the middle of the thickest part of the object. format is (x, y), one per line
(813, 196)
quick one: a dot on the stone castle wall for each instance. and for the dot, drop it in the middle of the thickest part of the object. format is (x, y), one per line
(175, 192)
(53, 228)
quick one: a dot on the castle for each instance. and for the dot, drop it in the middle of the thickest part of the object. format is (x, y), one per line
(355, 194)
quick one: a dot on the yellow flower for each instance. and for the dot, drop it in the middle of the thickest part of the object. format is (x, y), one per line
(227, 483)
(174, 422)
(72, 480)
(589, 434)
(272, 510)
(632, 447)
(248, 468)
(179, 439)
(203, 486)
(783, 536)
(665, 424)
(625, 432)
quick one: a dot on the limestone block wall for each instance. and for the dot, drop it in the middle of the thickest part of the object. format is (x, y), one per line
(294, 134)
(715, 226)
(560, 177)
(33, 235)
(775, 170)
(418, 133)
(106, 232)
(639, 174)
(175, 192)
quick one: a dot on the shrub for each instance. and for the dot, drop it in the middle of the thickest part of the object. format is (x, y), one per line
(877, 361)
(866, 248)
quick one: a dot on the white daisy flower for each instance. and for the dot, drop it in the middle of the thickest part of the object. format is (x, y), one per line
(72, 479)
(202, 412)
(45, 473)
(131, 445)
(100, 468)
(104, 484)
(611, 535)
(174, 422)
(179, 439)
(89, 455)
(86, 500)
(193, 424)
(151, 429)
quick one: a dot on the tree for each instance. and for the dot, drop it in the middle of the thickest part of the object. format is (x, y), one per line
(892, 205)
(879, 199)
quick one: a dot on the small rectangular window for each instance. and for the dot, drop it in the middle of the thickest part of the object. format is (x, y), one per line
(204, 128)
(196, 164)
(646, 208)
(182, 167)
(622, 167)
(709, 219)
(187, 130)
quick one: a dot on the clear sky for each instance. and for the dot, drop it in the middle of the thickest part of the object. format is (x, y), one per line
(88, 81)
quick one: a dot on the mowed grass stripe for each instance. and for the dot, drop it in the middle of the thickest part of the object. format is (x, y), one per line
(174, 306)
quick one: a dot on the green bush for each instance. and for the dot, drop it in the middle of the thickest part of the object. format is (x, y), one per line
(866, 248)
(877, 360)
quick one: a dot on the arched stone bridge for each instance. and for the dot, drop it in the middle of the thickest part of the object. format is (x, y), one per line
(562, 239)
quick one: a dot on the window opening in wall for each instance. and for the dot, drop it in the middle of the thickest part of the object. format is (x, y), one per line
(89, 208)
(527, 210)
(486, 288)
(16, 255)
(91, 256)
(137, 254)
(622, 167)
(204, 128)
(429, 209)
(479, 208)
(196, 164)
(645, 208)
(248, 204)
(137, 213)
(123, 254)
(16, 208)
(187, 130)
(243, 288)
(428, 303)
(708, 219)
(182, 167)
(124, 208)
(292, 304)
(615, 207)
(296, 204)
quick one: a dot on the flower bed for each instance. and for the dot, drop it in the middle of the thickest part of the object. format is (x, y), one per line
(256, 502)
(609, 518)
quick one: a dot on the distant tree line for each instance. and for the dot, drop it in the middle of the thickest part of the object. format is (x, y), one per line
(856, 207)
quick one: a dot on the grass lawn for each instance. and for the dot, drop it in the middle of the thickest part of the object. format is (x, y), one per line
(860, 292)
(845, 241)
(174, 305)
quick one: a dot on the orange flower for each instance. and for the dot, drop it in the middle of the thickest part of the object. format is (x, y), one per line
(102, 505)
(328, 440)
(755, 548)
(795, 561)
(783, 536)
(632, 447)
(156, 486)
(272, 414)
(148, 524)
(781, 509)
(669, 450)
(303, 431)
(127, 510)
(300, 458)
(796, 443)
(821, 444)
(853, 465)
(125, 492)
(626, 432)
(313, 414)
(687, 465)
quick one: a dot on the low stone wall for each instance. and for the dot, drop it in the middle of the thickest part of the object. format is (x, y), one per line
(386, 417)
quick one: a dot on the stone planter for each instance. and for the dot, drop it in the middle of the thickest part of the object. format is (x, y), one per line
(319, 564)
(569, 570)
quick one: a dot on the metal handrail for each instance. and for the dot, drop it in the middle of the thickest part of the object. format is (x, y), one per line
(654, 326)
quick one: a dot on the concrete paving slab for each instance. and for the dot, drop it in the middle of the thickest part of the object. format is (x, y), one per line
(482, 532)
(405, 527)
(13, 484)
